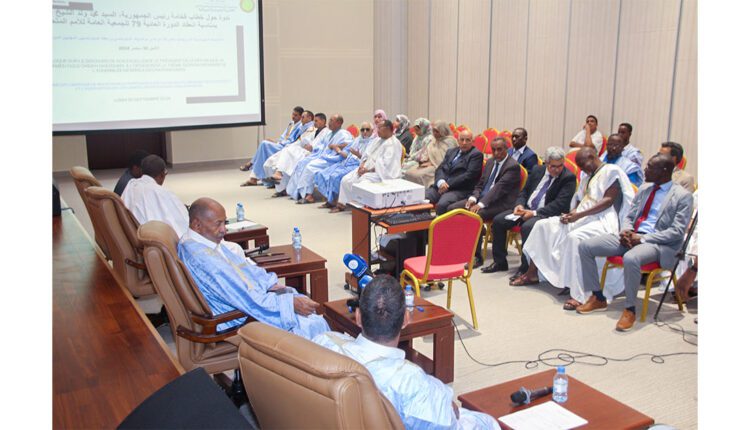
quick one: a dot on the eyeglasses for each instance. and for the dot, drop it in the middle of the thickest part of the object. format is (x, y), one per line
(365, 129)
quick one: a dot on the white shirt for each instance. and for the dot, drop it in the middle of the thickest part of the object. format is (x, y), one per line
(596, 139)
(518, 152)
(231, 246)
(539, 188)
(149, 201)
(497, 166)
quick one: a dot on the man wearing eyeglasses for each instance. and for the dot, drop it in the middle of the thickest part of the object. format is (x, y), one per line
(457, 175)
(148, 200)
(328, 181)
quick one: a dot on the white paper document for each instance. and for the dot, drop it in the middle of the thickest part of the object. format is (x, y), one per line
(511, 217)
(547, 416)
(240, 225)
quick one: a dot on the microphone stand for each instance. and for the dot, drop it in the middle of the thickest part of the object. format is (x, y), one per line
(680, 256)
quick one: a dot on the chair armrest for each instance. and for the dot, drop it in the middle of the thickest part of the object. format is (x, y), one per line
(208, 337)
(213, 321)
(139, 266)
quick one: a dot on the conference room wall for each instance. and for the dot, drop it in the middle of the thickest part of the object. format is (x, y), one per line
(318, 54)
(552, 62)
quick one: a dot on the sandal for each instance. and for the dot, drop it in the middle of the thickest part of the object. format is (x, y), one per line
(249, 183)
(571, 305)
(245, 167)
(523, 280)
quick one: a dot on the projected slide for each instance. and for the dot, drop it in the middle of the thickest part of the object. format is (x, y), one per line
(135, 64)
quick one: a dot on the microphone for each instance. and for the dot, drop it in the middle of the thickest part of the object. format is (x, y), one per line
(259, 249)
(356, 264)
(524, 396)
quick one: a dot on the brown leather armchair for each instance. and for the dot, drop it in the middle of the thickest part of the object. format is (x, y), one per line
(325, 390)
(119, 230)
(193, 324)
(83, 179)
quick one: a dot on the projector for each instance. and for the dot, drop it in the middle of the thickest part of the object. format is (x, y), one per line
(388, 194)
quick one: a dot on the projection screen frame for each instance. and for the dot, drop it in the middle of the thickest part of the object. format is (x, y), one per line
(261, 122)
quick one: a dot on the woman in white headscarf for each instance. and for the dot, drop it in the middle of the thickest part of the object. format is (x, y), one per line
(418, 153)
(432, 155)
(402, 132)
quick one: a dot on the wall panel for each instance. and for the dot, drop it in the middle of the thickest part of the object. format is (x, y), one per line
(545, 88)
(510, 21)
(473, 63)
(648, 32)
(591, 65)
(418, 58)
(443, 56)
(684, 121)
(390, 28)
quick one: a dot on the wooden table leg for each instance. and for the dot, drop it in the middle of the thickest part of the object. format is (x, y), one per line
(361, 234)
(260, 240)
(319, 285)
(442, 353)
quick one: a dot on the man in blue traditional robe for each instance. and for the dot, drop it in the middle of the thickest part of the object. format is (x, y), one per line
(268, 147)
(328, 180)
(229, 281)
(332, 150)
(422, 401)
(614, 155)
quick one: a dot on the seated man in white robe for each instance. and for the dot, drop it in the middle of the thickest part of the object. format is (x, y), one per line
(290, 156)
(552, 246)
(614, 155)
(148, 200)
(422, 401)
(302, 181)
(229, 282)
(589, 135)
(381, 161)
(308, 133)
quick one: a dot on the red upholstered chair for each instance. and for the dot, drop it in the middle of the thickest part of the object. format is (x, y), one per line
(603, 149)
(452, 240)
(570, 164)
(491, 134)
(413, 132)
(481, 143)
(353, 130)
(654, 272)
(508, 136)
(462, 127)
(683, 163)
(452, 127)
(514, 233)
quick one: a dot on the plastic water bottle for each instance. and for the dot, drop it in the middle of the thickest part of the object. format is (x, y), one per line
(409, 297)
(296, 239)
(240, 212)
(560, 385)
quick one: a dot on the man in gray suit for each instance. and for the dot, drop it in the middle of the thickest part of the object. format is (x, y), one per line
(653, 231)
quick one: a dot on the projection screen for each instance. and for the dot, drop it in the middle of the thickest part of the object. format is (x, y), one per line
(158, 64)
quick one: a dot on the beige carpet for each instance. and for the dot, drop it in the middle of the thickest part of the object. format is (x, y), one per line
(515, 323)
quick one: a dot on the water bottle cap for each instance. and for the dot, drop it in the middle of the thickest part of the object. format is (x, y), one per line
(408, 287)
(560, 369)
(296, 229)
(239, 204)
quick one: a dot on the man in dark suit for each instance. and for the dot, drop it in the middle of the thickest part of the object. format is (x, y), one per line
(522, 153)
(547, 193)
(653, 231)
(496, 191)
(457, 175)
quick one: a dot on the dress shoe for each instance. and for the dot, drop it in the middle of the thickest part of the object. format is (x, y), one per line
(593, 304)
(627, 319)
(478, 262)
(496, 267)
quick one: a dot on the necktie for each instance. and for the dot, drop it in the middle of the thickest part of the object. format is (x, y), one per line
(455, 158)
(646, 208)
(490, 181)
(538, 198)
